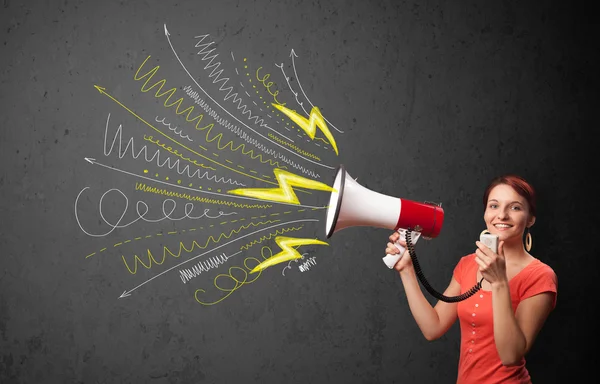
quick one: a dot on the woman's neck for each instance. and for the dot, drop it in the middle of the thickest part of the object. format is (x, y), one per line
(515, 253)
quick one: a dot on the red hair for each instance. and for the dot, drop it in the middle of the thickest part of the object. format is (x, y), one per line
(519, 184)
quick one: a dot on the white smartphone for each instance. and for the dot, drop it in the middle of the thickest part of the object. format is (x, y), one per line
(491, 241)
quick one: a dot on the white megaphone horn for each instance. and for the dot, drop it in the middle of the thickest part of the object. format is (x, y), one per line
(352, 205)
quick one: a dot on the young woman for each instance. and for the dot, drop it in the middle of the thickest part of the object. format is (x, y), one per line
(500, 322)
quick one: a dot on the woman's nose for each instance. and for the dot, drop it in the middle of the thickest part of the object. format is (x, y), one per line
(503, 214)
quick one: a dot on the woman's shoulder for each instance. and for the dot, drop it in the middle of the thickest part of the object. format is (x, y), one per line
(465, 262)
(538, 267)
(539, 277)
(467, 258)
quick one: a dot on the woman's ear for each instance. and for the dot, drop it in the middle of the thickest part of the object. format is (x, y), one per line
(531, 221)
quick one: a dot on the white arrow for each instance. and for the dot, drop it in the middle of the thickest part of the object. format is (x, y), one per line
(292, 55)
(167, 34)
(128, 293)
(93, 161)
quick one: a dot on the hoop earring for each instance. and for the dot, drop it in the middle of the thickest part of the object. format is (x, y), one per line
(528, 241)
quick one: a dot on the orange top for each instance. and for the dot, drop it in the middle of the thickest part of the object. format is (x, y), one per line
(479, 360)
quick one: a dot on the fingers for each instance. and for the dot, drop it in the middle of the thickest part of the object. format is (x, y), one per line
(481, 246)
(485, 250)
(392, 246)
(391, 249)
(479, 259)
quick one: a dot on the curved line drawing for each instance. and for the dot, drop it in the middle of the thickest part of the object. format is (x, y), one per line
(168, 125)
(93, 161)
(242, 134)
(102, 91)
(167, 34)
(189, 208)
(128, 293)
(294, 261)
(292, 55)
(137, 260)
(118, 138)
(187, 111)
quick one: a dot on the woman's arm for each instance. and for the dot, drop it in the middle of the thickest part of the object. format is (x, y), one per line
(432, 321)
(514, 333)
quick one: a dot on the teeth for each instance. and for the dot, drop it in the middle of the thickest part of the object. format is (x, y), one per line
(503, 225)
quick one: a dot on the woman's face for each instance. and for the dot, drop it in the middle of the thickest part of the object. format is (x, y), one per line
(507, 213)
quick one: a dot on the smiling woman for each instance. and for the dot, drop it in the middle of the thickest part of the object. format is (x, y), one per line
(518, 291)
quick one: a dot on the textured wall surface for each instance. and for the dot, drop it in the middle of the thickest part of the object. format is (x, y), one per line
(425, 100)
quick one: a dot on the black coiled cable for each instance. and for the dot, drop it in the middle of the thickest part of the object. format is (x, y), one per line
(421, 276)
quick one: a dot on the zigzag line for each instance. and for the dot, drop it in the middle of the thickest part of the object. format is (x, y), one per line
(277, 232)
(182, 247)
(161, 191)
(187, 274)
(216, 73)
(243, 135)
(188, 111)
(281, 141)
(156, 157)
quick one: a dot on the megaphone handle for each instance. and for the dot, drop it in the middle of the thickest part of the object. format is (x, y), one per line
(391, 260)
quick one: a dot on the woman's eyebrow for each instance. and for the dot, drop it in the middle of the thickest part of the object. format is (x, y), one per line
(512, 202)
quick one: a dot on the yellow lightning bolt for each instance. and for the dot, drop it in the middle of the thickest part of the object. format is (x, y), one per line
(285, 193)
(310, 125)
(288, 252)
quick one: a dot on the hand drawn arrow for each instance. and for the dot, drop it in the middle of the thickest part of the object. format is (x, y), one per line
(127, 293)
(167, 34)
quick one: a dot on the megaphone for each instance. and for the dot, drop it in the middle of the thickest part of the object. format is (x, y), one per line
(352, 205)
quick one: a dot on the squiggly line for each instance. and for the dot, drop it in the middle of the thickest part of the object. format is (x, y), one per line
(151, 259)
(129, 147)
(187, 274)
(103, 92)
(168, 125)
(171, 232)
(292, 55)
(127, 293)
(241, 147)
(215, 75)
(294, 147)
(268, 85)
(176, 153)
(238, 282)
(188, 208)
(269, 237)
(288, 247)
(167, 35)
(294, 261)
(307, 264)
(243, 135)
(170, 93)
(161, 191)
(202, 228)
(187, 111)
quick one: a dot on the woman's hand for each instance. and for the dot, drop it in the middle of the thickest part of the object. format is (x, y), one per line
(491, 265)
(405, 261)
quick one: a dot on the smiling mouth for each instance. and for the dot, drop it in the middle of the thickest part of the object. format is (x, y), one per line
(502, 226)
